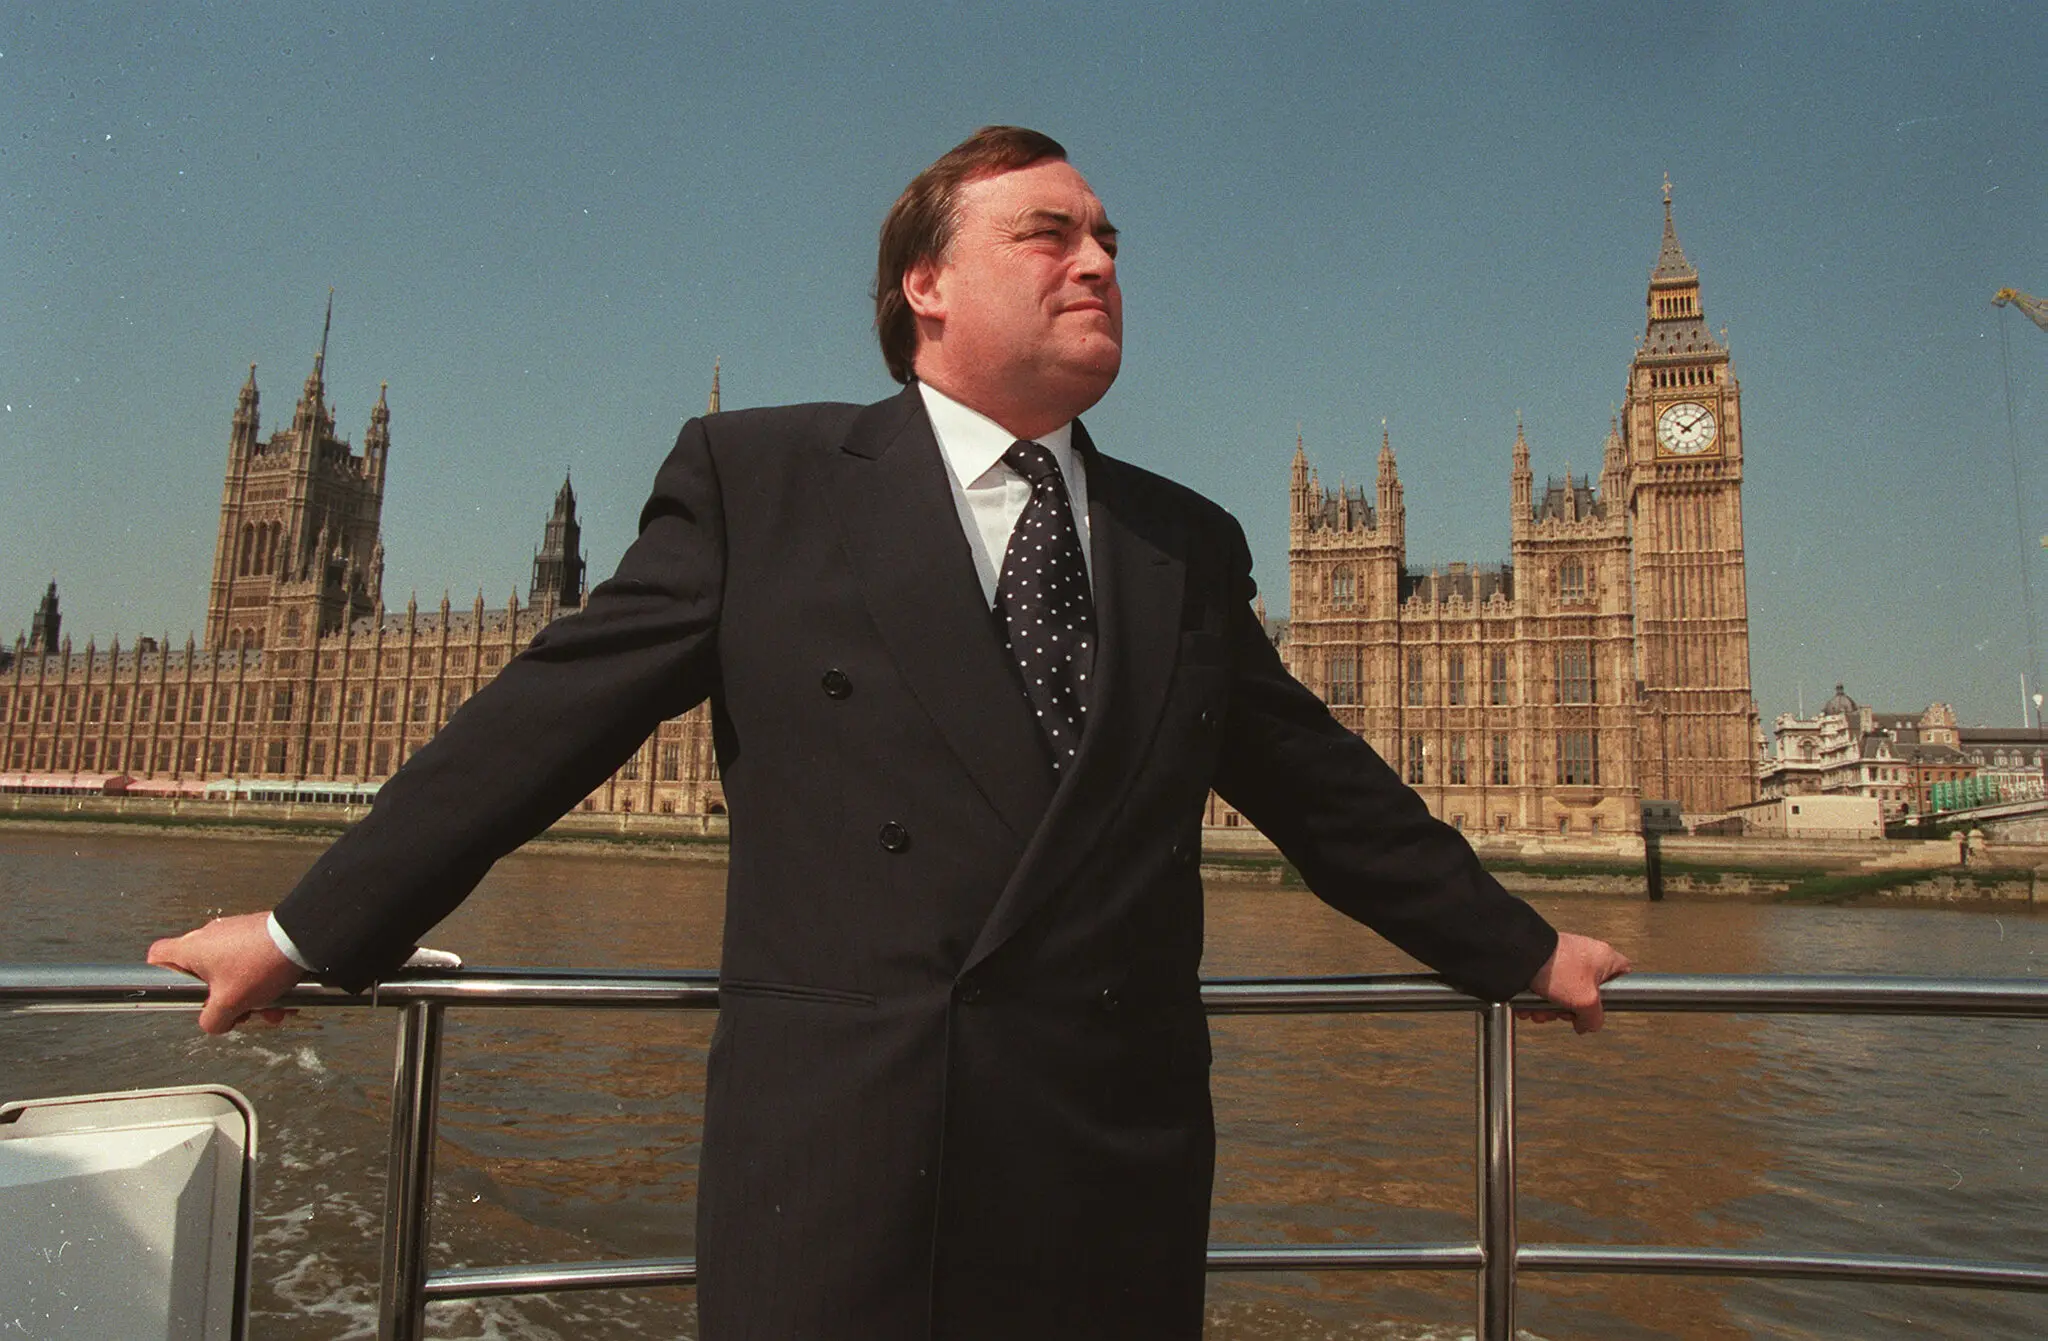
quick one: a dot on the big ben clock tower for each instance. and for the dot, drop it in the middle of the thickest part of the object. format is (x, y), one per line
(1682, 427)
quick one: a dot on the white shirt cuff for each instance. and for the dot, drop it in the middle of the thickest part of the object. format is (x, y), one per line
(284, 945)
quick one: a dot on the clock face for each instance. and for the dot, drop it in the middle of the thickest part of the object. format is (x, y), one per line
(1687, 428)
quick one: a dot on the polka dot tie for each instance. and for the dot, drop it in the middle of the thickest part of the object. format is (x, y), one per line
(1043, 605)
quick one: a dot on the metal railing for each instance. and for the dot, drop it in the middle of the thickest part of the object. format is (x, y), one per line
(1494, 1255)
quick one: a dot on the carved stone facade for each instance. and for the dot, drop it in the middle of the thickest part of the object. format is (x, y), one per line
(305, 684)
(1606, 663)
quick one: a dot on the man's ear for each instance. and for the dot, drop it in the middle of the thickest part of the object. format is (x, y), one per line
(923, 291)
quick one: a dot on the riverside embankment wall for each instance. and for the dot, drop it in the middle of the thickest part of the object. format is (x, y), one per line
(1907, 870)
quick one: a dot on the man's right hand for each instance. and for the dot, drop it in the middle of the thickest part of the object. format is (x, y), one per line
(242, 968)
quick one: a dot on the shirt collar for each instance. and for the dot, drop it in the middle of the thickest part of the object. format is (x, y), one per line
(972, 442)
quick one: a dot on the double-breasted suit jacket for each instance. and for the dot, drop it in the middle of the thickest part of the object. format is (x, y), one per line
(959, 1083)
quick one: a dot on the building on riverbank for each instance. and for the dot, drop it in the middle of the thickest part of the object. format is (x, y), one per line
(303, 674)
(1606, 662)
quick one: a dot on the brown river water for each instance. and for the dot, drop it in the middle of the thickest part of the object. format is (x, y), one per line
(568, 1135)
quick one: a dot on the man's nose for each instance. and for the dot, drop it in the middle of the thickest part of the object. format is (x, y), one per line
(1094, 261)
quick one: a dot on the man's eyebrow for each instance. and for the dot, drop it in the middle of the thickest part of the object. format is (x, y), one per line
(1042, 214)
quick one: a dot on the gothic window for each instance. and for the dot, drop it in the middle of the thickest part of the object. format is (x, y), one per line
(1454, 679)
(1499, 760)
(49, 705)
(190, 762)
(220, 705)
(197, 705)
(120, 705)
(355, 705)
(348, 757)
(380, 758)
(170, 713)
(1416, 689)
(1571, 580)
(493, 659)
(319, 759)
(113, 757)
(291, 623)
(452, 701)
(144, 703)
(422, 703)
(1574, 664)
(281, 703)
(630, 770)
(273, 761)
(162, 762)
(323, 704)
(1342, 587)
(387, 707)
(71, 705)
(1343, 678)
(1458, 760)
(15, 753)
(42, 755)
(245, 550)
(1415, 760)
(63, 754)
(671, 762)
(3, 707)
(88, 754)
(1578, 758)
(216, 756)
(458, 661)
(248, 705)
(1497, 678)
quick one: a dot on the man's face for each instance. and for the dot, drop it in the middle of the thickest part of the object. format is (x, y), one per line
(1023, 315)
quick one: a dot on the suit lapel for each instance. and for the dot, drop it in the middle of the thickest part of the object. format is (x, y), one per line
(916, 575)
(1137, 549)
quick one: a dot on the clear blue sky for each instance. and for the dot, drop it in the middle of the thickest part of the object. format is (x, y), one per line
(543, 223)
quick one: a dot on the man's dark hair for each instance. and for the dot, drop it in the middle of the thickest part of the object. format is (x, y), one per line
(921, 222)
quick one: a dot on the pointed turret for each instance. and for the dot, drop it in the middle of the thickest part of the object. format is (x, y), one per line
(377, 441)
(1671, 262)
(1613, 463)
(1677, 319)
(46, 625)
(1392, 516)
(1522, 481)
(712, 407)
(311, 410)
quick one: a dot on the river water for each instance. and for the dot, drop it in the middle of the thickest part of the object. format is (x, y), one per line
(571, 1135)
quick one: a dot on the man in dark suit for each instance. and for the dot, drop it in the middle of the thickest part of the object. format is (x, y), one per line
(972, 682)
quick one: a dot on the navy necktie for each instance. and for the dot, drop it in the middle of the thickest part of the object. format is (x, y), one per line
(1043, 605)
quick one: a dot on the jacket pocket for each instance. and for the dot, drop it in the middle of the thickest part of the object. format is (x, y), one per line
(789, 991)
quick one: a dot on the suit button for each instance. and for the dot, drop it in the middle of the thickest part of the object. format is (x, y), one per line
(970, 992)
(1109, 1000)
(837, 683)
(894, 837)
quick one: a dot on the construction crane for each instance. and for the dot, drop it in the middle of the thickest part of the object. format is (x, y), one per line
(2037, 312)
(2035, 308)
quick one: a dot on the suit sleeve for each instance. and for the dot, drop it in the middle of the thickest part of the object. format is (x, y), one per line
(532, 743)
(1361, 838)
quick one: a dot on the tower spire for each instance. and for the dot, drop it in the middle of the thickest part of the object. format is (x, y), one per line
(1671, 262)
(320, 359)
(712, 408)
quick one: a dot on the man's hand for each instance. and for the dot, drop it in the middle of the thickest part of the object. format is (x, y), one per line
(242, 968)
(1571, 979)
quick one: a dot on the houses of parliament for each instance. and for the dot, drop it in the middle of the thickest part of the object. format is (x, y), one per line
(305, 683)
(1604, 665)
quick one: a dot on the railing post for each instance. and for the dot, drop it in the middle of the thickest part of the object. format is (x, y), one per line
(409, 1178)
(1497, 1238)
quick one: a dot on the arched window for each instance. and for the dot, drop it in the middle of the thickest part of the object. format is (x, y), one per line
(243, 548)
(1343, 588)
(1571, 580)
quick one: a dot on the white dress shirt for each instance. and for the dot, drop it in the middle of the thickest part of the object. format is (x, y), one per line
(988, 495)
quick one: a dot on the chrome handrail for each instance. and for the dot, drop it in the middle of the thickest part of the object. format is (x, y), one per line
(1494, 1255)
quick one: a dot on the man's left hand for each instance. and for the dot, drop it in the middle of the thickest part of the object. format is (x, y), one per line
(1571, 978)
